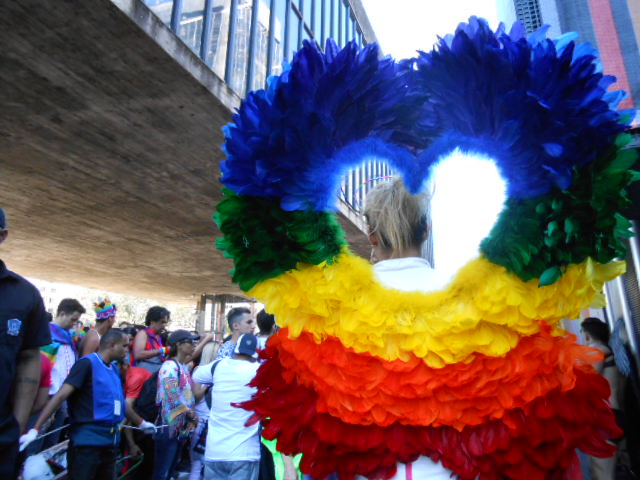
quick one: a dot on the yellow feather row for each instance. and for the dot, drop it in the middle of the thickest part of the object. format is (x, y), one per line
(484, 309)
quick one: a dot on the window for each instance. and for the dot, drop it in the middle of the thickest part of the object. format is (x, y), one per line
(162, 9)
(240, 60)
(340, 27)
(316, 21)
(191, 21)
(216, 52)
(278, 34)
(294, 28)
(528, 12)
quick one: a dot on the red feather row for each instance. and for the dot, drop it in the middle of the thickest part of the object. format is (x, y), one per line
(536, 441)
(364, 389)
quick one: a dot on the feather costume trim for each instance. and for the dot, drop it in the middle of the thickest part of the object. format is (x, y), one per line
(484, 310)
(539, 443)
(371, 390)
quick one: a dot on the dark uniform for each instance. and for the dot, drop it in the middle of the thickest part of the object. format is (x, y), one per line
(24, 324)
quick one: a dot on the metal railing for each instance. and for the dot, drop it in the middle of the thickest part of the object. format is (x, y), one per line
(360, 181)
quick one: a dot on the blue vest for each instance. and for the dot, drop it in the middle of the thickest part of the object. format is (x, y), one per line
(107, 390)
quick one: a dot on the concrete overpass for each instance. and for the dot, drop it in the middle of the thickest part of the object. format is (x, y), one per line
(110, 149)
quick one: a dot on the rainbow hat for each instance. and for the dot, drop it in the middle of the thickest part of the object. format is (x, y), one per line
(104, 309)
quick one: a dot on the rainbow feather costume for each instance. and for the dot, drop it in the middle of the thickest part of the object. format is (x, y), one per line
(479, 375)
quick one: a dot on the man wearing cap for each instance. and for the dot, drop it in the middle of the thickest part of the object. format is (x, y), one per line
(24, 327)
(233, 450)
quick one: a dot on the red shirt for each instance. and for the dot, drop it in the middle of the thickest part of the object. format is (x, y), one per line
(136, 377)
(45, 371)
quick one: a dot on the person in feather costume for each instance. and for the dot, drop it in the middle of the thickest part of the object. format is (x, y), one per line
(370, 378)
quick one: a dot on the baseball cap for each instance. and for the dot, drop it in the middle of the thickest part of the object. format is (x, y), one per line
(179, 336)
(3, 220)
(247, 344)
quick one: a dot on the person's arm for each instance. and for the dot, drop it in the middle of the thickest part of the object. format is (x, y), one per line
(199, 391)
(52, 405)
(202, 380)
(28, 361)
(134, 449)
(90, 343)
(135, 419)
(198, 350)
(41, 399)
(130, 413)
(26, 384)
(139, 345)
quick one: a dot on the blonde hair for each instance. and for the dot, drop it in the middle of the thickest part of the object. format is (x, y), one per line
(209, 353)
(399, 219)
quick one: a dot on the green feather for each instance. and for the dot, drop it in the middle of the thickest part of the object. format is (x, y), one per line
(266, 241)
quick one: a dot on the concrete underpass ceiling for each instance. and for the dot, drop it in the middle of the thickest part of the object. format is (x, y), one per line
(110, 152)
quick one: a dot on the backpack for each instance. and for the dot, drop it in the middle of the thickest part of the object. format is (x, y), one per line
(208, 395)
(145, 404)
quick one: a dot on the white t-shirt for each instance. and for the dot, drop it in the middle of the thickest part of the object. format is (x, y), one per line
(411, 274)
(262, 343)
(228, 440)
(65, 358)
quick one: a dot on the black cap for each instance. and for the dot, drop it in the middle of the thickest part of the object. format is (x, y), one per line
(180, 335)
(3, 220)
(247, 345)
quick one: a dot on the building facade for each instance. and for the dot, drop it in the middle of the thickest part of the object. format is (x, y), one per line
(244, 41)
(612, 26)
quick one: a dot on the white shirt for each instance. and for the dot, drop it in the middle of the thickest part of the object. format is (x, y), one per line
(65, 358)
(411, 274)
(228, 440)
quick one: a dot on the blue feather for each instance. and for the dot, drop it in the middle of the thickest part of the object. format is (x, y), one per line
(529, 103)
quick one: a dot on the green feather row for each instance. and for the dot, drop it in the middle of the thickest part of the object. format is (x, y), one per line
(539, 237)
(265, 241)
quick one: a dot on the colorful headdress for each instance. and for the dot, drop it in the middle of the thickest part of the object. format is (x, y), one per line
(104, 309)
(478, 375)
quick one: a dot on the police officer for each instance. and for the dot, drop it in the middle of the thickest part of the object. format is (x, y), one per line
(24, 327)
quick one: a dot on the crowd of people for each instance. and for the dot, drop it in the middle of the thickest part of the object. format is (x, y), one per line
(154, 396)
(135, 399)
(151, 402)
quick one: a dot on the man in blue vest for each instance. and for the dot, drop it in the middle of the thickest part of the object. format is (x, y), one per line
(95, 396)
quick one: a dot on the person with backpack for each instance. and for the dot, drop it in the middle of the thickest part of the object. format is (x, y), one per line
(176, 401)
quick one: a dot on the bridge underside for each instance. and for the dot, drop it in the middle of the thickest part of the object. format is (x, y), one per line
(110, 150)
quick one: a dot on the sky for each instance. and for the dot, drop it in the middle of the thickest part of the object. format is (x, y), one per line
(404, 26)
(469, 193)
